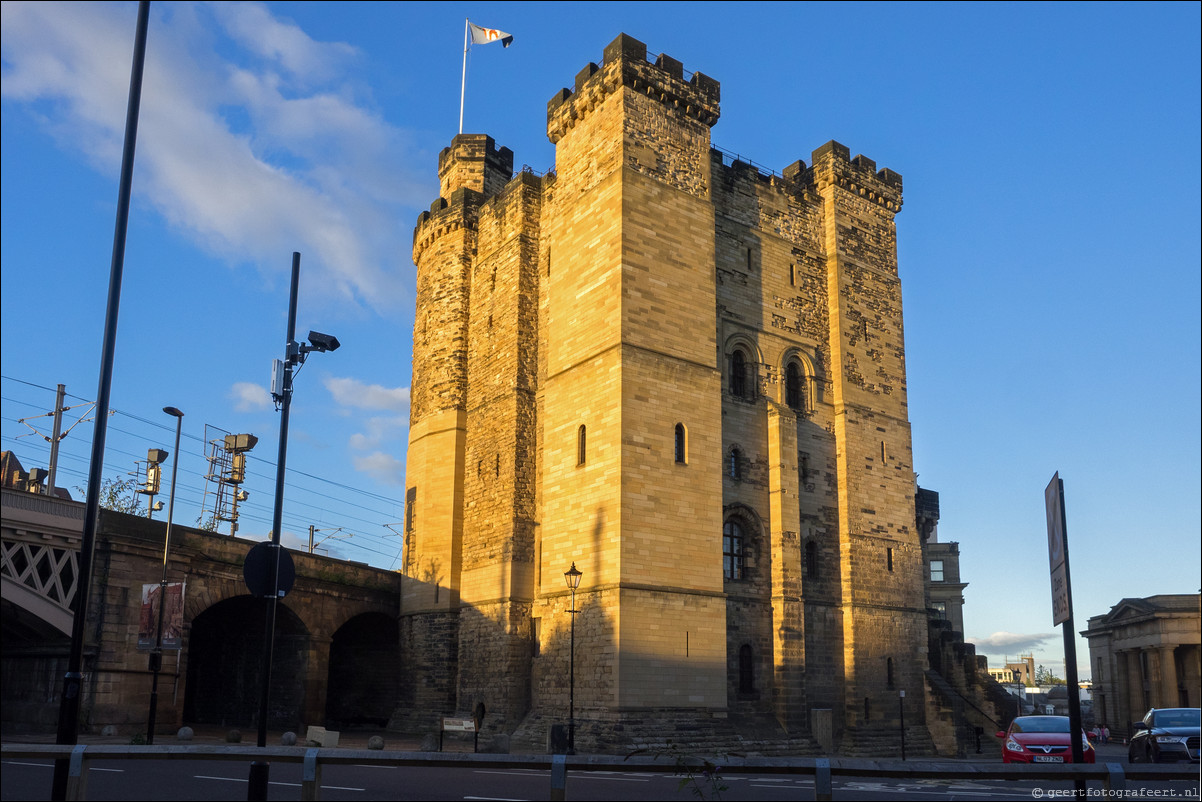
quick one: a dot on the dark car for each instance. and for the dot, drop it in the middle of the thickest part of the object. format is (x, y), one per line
(1168, 734)
(1042, 739)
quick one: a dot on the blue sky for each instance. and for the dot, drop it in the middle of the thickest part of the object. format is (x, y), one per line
(1049, 244)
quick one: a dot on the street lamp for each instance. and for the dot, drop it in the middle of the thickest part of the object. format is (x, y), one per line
(572, 576)
(156, 655)
(901, 711)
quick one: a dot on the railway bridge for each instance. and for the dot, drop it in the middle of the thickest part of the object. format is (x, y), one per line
(336, 645)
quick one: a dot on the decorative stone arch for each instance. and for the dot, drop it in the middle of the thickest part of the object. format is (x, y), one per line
(796, 359)
(743, 383)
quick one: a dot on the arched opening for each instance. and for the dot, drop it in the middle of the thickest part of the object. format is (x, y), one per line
(794, 387)
(738, 374)
(225, 665)
(734, 463)
(363, 688)
(681, 444)
(581, 444)
(811, 560)
(734, 559)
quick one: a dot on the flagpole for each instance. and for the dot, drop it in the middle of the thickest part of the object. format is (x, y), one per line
(463, 80)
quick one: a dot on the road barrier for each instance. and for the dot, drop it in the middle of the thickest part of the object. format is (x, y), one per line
(1112, 776)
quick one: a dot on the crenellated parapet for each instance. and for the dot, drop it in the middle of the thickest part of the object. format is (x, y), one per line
(625, 64)
(444, 217)
(475, 162)
(833, 165)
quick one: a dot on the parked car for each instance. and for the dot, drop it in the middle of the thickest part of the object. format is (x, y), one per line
(1042, 739)
(1168, 734)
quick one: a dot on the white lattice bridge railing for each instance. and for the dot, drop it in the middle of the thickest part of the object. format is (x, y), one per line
(49, 573)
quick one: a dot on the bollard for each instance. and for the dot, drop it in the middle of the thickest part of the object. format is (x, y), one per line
(559, 777)
(822, 780)
(1116, 778)
(77, 774)
(311, 777)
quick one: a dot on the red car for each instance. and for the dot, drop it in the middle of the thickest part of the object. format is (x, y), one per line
(1041, 739)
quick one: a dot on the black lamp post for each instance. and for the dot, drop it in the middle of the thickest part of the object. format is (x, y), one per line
(572, 575)
(901, 711)
(156, 655)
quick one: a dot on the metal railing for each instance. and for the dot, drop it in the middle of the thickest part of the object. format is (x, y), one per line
(1113, 776)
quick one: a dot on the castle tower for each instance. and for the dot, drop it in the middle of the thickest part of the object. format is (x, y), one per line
(631, 407)
(686, 377)
(880, 551)
(444, 251)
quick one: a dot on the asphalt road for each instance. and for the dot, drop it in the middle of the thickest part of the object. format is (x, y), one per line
(220, 780)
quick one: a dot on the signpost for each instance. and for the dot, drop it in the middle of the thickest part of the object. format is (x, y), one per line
(1062, 610)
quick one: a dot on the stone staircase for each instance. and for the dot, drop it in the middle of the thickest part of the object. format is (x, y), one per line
(670, 735)
(955, 722)
(885, 742)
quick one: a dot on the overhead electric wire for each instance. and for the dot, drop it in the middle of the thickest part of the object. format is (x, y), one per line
(360, 512)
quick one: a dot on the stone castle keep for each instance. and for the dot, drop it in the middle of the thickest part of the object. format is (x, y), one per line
(687, 378)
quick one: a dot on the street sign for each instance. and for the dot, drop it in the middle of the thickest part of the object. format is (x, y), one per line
(257, 570)
(1053, 497)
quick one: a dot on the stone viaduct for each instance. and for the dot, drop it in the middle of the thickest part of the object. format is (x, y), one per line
(336, 634)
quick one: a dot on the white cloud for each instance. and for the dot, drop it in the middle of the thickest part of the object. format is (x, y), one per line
(1010, 642)
(385, 468)
(354, 393)
(258, 152)
(249, 396)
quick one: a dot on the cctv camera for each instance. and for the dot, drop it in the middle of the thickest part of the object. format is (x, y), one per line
(323, 342)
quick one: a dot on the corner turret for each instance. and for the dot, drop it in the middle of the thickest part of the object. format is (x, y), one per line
(475, 162)
(625, 64)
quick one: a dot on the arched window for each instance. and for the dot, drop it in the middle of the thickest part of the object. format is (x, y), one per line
(738, 374)
(580, 446)
(681, 442)
(734, 463)
(889, 672)
(794, 391)
(746, 670)
(811, 560)
(734, 563)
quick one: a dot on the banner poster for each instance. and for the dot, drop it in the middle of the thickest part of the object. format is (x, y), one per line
(173, 616)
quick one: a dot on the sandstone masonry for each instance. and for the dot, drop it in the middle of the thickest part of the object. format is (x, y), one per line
(687, 378)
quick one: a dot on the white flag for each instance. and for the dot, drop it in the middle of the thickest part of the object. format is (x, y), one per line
(483, 36)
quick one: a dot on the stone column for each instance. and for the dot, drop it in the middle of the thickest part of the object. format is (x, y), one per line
(1121, 704)
(1135, 688)
(1168, 696)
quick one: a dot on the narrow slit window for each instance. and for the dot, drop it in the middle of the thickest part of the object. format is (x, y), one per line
(681, 444)
(581, 443)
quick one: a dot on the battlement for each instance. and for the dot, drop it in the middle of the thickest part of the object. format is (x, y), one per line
(624, 64)
(834, 165)
(475, 162)
(446, 214)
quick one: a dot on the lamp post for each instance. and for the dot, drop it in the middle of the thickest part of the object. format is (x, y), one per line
(901, 709)
(572, 575)
(156, 654)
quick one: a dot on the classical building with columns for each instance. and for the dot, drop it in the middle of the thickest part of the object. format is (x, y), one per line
(1144, 653)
